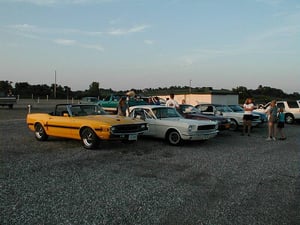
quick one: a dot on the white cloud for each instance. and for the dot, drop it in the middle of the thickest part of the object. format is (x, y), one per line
(95, 47)
(188, 61)
(148, 42)
(68, 42)
(47, 34)
(22, 27)
(270, 2)
(56, 2)
(113, 31)
(135, 29)
(284, 31)
(64, 42)
(34, 29)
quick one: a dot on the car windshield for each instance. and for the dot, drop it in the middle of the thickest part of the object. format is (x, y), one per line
(223, 108)
(114, 98)
(236, 108)
(86, 110)
(89, 100)
(165, 113)
(141, 113)
(189, 109)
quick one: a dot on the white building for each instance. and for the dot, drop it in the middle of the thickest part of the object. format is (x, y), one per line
(214, 97)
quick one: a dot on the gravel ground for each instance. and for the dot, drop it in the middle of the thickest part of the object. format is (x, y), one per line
(230, 179)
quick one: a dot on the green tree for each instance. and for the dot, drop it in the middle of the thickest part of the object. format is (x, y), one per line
(94, 89)
(5, 86)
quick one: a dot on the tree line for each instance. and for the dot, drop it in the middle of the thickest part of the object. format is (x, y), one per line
(25, 90)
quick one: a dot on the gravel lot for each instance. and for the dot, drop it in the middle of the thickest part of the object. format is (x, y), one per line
(230, 179)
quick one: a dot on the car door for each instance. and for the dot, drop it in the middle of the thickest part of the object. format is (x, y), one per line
(159, 122)
(147, 116)
(60, 123)
(59, 126)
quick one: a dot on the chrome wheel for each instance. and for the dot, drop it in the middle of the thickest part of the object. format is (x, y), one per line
(40, 133)
(233, 124)
(173, 137)
(289, 118)
(89, 138)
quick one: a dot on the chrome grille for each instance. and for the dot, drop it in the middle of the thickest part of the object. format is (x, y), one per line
(128, 128)
(207, 127)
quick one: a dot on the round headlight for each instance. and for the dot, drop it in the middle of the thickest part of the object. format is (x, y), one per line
(190, 128)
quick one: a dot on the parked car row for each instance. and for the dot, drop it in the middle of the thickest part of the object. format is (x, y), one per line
(90, 123)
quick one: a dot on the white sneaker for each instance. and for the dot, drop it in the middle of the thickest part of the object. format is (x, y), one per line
(268, 139)
(274, 138)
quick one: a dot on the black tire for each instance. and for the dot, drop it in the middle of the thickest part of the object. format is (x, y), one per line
(233, 125)
(289, 118)
(89, 138)
(40, 133)
(173, 137)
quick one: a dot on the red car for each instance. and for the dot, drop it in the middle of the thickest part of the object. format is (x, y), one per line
(190, 112)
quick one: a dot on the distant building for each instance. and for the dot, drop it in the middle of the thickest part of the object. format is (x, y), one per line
(213, 96)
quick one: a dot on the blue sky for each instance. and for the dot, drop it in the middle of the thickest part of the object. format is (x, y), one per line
(124, 44)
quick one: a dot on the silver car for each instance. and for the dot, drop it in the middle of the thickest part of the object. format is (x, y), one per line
(224, 110)
(165, 122)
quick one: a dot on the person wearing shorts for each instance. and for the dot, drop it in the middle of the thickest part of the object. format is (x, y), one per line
(272, 111)
(247, 118)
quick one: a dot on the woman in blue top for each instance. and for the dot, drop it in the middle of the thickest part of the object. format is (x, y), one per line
(280, 124)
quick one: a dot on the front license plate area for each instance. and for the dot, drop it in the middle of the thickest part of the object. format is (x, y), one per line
(132, 137)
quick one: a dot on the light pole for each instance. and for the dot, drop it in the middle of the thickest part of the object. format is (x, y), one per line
(55, 84)
(190, 86)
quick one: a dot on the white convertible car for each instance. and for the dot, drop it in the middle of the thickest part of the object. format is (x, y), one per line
(165, 122)
(224, 110)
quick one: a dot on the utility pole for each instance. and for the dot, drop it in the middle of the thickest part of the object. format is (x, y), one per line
(55, 84)
(190, 86)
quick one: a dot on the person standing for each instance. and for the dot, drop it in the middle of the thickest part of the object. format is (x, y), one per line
(123, 107)
(272, 119)
(171, 102)
(280, 124)
(247, 118)
(156, 100)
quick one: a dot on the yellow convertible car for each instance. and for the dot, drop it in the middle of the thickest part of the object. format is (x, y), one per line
(86, 122)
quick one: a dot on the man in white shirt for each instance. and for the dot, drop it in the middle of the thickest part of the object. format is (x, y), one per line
(171, 102)
(247, 118)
